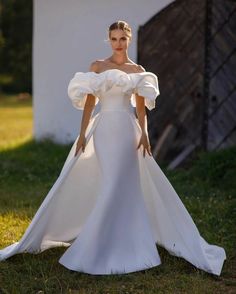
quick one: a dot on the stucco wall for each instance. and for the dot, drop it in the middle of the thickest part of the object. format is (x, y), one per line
(68, 36)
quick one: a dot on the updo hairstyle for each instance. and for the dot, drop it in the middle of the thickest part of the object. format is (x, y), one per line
(121, 25)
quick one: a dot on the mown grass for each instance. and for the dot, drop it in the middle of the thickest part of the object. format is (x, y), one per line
(29, 169)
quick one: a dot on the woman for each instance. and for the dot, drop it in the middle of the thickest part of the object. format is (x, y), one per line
(112, 204)
(120, 38)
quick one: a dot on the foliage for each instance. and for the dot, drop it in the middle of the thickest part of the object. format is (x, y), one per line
(16, 45)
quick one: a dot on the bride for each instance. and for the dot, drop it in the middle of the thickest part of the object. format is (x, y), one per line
(112, 204)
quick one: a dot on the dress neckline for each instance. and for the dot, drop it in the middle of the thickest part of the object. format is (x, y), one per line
(116, 69)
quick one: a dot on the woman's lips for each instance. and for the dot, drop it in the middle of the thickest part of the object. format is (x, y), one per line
(119, 49)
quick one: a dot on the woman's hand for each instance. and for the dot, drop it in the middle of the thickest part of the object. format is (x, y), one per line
(80, 143)
(145, 142)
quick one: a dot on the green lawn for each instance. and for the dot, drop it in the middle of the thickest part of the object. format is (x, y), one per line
(29, 169)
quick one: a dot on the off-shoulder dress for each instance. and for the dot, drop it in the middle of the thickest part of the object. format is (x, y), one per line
(110, 205)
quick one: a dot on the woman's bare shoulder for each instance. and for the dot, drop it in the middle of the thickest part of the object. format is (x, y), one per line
(137, 67)
(98, 65)
(140, 68)
(134, 67)
(94, 66)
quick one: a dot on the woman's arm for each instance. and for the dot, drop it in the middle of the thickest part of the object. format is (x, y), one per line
(142, 119)
(89, 105)
(141, 113)
(88, 109)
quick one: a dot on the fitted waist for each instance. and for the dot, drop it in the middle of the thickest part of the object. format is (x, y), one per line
(115, 108)
(115, 103)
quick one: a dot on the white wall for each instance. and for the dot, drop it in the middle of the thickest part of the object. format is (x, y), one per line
(68, 36)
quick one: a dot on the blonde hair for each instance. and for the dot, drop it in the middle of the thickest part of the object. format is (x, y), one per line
(121, 25)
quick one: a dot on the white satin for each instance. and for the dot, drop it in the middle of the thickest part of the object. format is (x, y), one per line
(110, 205)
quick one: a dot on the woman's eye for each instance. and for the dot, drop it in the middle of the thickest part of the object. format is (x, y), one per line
(124, 39)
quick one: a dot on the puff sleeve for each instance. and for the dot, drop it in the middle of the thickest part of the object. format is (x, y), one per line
(148, 87)
(78, 88)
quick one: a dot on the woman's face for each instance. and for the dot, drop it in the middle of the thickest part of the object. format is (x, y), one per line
(119, 41)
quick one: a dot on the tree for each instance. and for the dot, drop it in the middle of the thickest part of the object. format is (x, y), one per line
(16, 45)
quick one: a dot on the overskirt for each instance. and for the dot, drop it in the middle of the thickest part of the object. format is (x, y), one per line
(110, 206)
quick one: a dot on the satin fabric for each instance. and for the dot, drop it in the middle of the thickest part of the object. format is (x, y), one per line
(110, 205)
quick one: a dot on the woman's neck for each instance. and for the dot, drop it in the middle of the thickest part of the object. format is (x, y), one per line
(119, 60)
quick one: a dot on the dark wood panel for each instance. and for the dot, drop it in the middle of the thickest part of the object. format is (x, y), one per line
(173, 44)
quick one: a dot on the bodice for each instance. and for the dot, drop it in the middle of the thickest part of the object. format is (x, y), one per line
(113, 88)
(114, 99)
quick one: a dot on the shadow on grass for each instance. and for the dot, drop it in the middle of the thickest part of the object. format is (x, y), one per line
(208, 190)
(28, 171)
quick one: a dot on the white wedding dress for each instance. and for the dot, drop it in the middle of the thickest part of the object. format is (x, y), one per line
(110, 205)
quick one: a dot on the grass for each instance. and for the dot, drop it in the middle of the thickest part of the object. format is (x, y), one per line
(29, 169)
